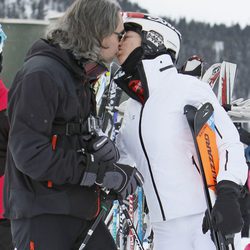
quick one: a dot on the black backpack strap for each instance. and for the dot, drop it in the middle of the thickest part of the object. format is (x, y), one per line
(87, 127)
(70, 128)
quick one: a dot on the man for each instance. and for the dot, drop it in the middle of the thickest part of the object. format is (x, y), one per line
(5, 233)
(156, 137)
(56, 162)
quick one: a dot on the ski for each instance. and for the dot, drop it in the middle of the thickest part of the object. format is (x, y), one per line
(226, 82)
(131, 226)
(212, 74)
(221, 78)
(201, 123)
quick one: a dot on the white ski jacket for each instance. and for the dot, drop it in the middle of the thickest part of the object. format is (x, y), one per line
(157, 139)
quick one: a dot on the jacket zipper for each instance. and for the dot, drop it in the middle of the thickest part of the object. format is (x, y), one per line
(149, 167)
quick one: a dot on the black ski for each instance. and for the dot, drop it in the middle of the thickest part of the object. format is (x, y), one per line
(203, 131)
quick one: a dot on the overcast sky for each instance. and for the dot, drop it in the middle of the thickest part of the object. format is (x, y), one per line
(228, 12)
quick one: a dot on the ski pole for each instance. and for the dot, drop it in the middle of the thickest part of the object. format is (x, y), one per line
(93, 227)
(130, 224)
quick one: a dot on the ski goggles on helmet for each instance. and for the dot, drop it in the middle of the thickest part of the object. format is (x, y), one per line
(2, 38)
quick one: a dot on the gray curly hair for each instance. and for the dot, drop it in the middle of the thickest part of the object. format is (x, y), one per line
(83, 26)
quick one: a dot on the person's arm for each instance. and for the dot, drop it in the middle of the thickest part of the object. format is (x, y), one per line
(226, 215)
(32, 109)
(232, 163)
(4, 128)
(244, 134)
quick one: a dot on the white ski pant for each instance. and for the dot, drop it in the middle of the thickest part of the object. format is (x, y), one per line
(184, 233)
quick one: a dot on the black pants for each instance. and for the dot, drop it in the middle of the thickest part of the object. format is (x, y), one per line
(58, 232)
(245, 211)
(5, 235)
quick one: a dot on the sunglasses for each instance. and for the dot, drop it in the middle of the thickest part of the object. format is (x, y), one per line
(120, 34)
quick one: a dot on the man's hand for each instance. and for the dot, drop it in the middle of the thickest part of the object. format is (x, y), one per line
(120, 178)
(103, 149)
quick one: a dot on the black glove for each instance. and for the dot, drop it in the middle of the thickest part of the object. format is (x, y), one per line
(226, 215)
(122, 179)
(103, 149)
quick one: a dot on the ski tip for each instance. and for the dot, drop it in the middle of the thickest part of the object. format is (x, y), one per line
(206, 109)
(188, 108)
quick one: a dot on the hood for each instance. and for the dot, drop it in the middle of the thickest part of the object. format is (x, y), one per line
(43, 47)
(3, 96)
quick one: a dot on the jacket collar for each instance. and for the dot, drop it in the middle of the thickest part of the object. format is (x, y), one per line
(157, 70)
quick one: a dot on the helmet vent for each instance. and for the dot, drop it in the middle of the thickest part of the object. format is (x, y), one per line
(154, 37)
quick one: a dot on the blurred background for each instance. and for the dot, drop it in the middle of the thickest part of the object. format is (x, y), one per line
(215, 30)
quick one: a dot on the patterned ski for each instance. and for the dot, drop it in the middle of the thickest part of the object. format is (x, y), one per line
(201, 123)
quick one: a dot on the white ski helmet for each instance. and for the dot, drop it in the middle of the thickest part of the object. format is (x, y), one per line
(158, 36)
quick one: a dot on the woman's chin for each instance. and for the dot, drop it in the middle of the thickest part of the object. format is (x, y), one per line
(120, 60)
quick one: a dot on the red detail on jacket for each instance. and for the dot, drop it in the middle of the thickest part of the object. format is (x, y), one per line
(3, 106)
(32, 245)
(3, 96)
(136, 87)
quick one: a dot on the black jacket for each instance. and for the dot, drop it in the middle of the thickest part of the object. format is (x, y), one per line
(4, 129)
(49, 89)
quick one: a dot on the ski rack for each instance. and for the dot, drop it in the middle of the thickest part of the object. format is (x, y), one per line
(201, 124)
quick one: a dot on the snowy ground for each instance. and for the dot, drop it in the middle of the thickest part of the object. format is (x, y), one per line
(244, 242)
